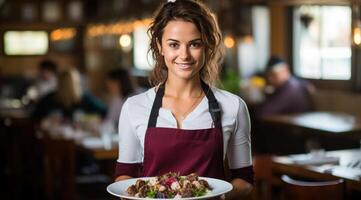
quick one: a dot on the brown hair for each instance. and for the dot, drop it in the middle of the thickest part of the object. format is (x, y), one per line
(199, 15)
(69, 89)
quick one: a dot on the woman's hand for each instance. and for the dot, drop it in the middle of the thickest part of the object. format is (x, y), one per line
(240, 189)
(123, 177)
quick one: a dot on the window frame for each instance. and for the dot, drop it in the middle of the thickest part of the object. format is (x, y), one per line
(353, 84)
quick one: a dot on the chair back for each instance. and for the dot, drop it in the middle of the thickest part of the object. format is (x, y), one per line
(21, 155)
(59, 169)
(310, 190)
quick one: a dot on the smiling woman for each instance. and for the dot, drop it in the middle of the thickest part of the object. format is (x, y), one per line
(181, 116)
(209, 34)
(182, 49)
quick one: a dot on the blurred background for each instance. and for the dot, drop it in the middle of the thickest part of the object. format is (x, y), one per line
(66, 67)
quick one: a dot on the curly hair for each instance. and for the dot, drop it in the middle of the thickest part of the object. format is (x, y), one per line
(198, 14)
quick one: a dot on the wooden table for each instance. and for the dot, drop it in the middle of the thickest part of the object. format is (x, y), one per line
(101, 153)
(306, 131)
(88, 144)
(352, 176)
(106, 158)
(333, 123)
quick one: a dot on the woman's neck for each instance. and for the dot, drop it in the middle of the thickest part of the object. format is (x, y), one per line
(183, 89)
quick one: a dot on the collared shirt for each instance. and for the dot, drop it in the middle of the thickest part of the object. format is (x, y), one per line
(133, 123)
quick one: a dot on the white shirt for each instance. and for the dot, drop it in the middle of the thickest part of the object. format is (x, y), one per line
(44, 87)
(133, 123)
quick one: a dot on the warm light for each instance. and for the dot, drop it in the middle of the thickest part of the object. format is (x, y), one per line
(137, 24)
(258, 81)
(357, 36)
(357, 33)
(229, 42)
(125, 40)
(117, 28)
(247, 39)
(62, 34)
(56, 35)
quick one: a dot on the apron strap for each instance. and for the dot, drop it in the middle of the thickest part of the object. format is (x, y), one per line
(213, 106)
(156, 105)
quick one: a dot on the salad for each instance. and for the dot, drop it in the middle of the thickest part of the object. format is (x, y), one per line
(170, 185)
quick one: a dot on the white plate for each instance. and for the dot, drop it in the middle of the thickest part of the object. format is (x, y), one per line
(219, 187)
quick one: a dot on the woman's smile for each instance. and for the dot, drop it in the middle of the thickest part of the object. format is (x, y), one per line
(185, 66)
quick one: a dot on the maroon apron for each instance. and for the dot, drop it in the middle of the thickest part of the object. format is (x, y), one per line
(184, 151)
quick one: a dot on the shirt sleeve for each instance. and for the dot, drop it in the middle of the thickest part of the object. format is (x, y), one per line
(239, 146)
(130, 149)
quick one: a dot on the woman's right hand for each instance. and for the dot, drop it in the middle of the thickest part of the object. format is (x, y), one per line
(122, 177)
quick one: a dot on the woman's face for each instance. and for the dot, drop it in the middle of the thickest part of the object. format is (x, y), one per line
(183, 50)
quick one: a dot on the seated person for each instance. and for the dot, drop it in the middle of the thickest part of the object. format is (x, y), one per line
(119, 87)
(59, 112)
(47, 80)
(289, 95)
(68, 99)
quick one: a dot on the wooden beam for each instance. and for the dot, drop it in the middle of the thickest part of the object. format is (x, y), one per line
(279, 30)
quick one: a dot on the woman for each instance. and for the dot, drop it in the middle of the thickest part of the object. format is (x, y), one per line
(68, 99)
(183, 125)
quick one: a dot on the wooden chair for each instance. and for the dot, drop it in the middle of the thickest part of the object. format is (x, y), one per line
(265, 181)
(22, 155)
(307, 190)
(263, 175)
(59, 169)
(61, 180)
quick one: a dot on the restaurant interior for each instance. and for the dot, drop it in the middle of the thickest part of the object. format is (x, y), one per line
(312, 153)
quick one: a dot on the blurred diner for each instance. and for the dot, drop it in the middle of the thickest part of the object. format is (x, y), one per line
(284, 93)
(69, 111)
(68, 100)
(119, 87)
(47, 78)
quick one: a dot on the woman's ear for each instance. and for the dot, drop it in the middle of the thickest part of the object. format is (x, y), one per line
(159, 47)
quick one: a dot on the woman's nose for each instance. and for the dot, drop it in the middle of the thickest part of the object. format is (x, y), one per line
(184, 53)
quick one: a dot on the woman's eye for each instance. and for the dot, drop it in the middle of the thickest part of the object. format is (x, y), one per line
(196, 45)
(173, 45)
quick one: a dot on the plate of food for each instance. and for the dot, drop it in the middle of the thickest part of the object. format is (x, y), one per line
(170, 186)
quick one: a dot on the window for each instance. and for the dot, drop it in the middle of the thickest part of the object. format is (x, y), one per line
(142, 60)
(25, 43)
(253, 51)
(322, 42)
